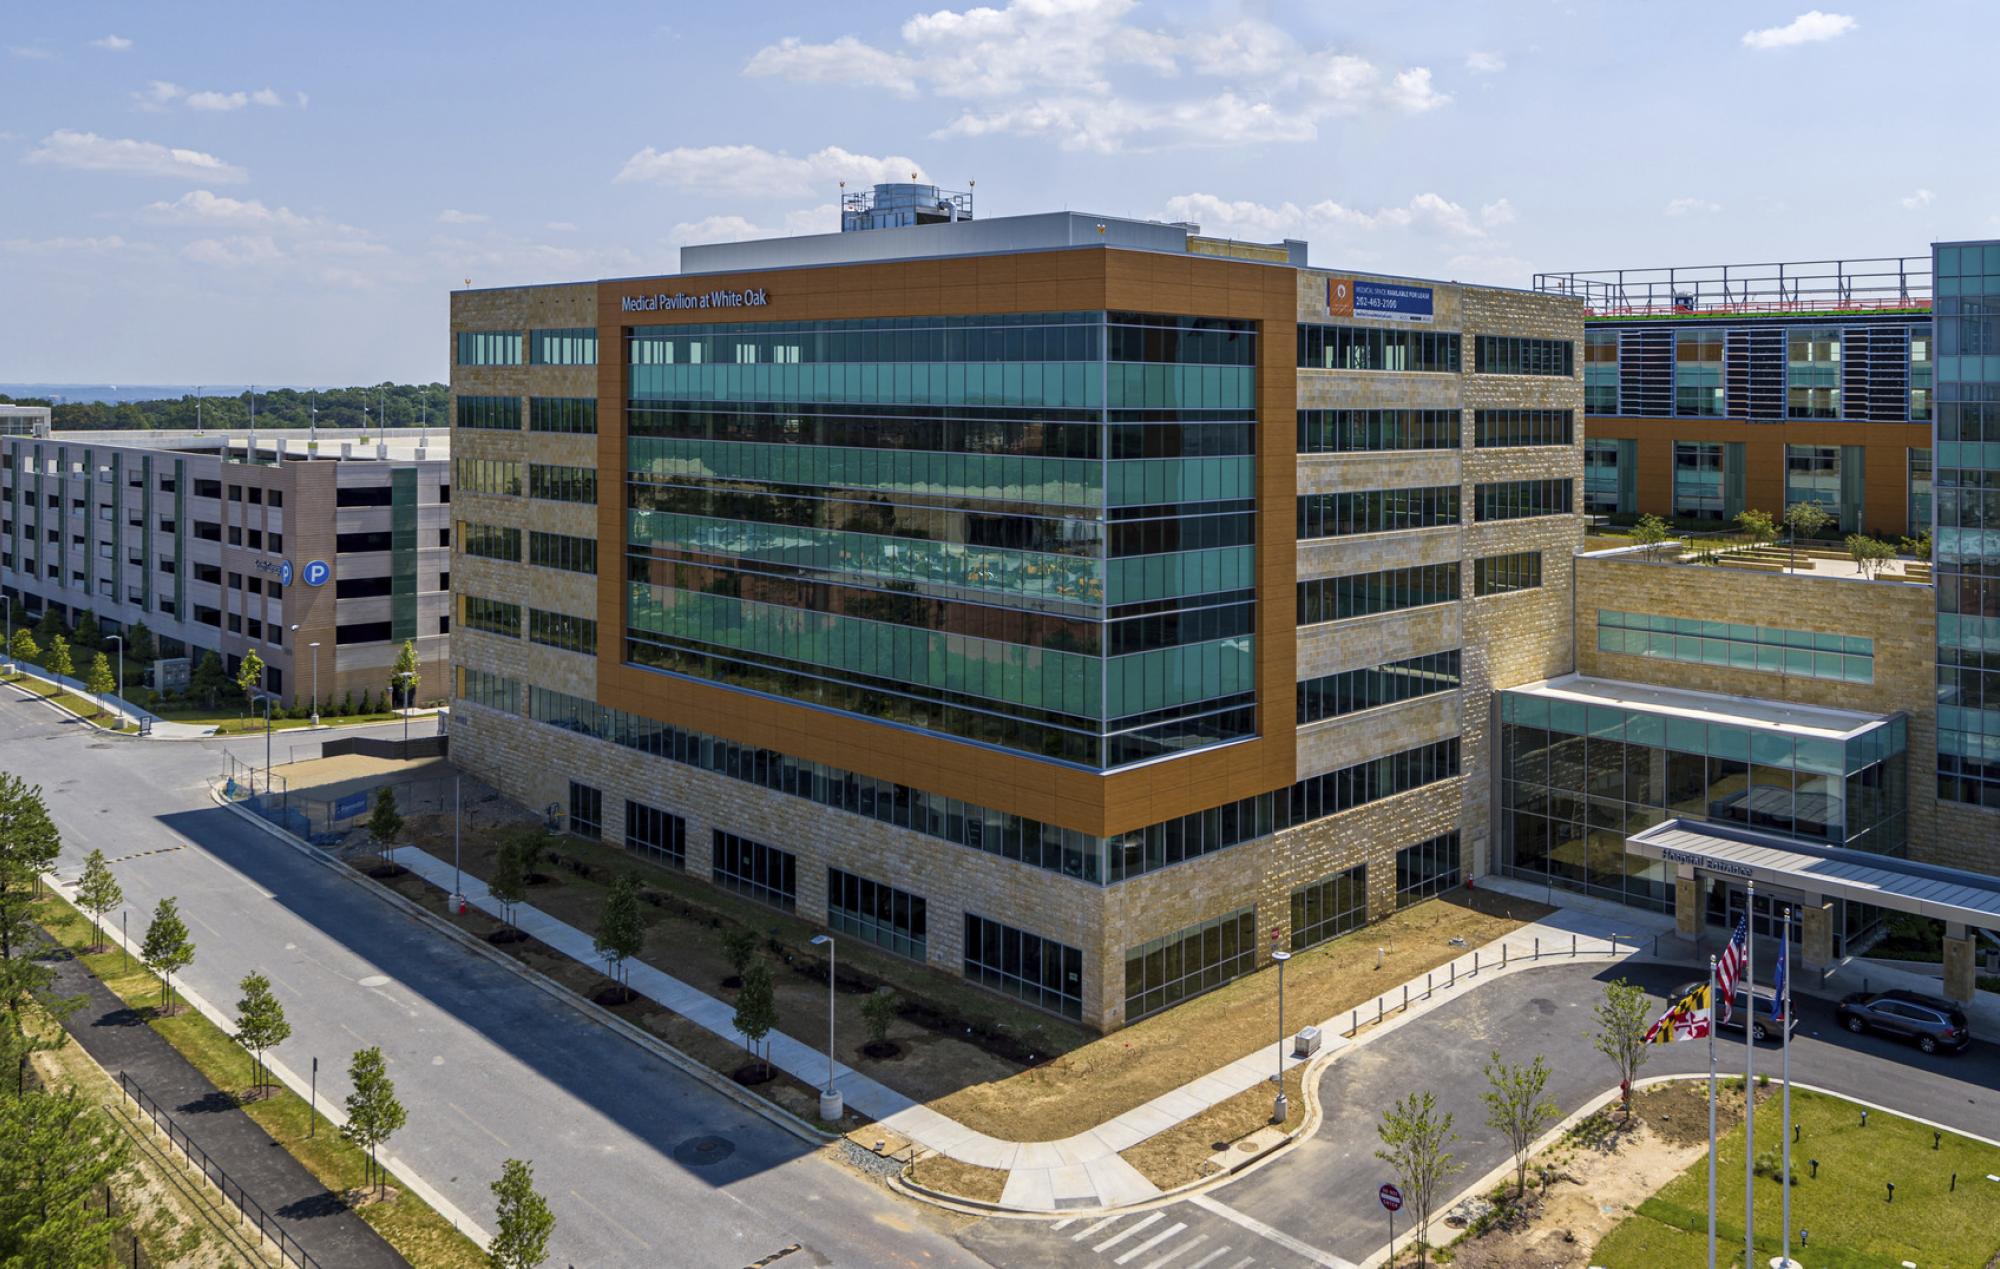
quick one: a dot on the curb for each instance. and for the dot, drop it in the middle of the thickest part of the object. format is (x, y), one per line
(59, 710)
(589, 1010)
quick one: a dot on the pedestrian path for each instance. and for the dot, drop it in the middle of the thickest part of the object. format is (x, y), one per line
(1083, 1170)
(1196, 1233)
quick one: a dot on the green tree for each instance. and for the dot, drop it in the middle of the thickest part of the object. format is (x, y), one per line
(509, 882)
(250, 674)
(621, 930)
(1869, 554)
(1650, 533)
(29, 845)
(24, 647)
(524, 1218)
(878, 1014)
(208, 678)
(59, 662)
(385, 822)
(757, 1008)
(49, 626)
(405, 677)
(99, 682)
(167, 949)
(1415, 1139)
(373, 1113)
(1918, 547)
(739, 948)
(1804, 520)
(87, 634)
(1517, 1109)
(1622, 1021)
(260, 1025)
(57, 1154)
(97, 892)
(1758, 525)
(140, 643)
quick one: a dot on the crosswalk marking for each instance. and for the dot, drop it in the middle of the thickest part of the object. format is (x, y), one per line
(1082, 1234)
(1061, 1225)
(1239, 1264)
(1264, 1231)
(1217, 1254)
(1150, 1243)
(1128, 1231)
(1180, 1251)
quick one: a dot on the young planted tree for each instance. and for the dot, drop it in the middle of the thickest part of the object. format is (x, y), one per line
(757, 1008)
(739, 948)
(1650, 532)
(1918, 547)
(621, 930)
(1415, 1136)
(57, 1154)
(29, 844)
(1517, 1109)
(250, 674)
(260, 1025)
(99, 682)
(1622, 1019)
(1758, 525)
(60, 662)
(24, 647)
(878, 1014)
(385, 823)
(1869, 554)
(167, 949)
(208, 678)
(404, 678)
(524, 1219)
(373, 1113)
(509, 882)
(97, 892)
(1804, 520)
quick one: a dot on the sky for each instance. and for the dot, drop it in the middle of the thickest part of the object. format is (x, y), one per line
(238, 193)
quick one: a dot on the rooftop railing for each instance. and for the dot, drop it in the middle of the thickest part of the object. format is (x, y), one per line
(1886, 283)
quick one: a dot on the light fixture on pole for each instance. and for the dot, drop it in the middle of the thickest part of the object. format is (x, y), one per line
(830, 1102)
(1281, 1108)
(120, 641)
(314, 645)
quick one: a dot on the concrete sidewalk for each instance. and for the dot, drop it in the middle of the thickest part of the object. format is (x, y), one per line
(120, 1040)
(1086, 1170)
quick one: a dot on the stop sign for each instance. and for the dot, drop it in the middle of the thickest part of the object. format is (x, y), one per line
(1392, 1198)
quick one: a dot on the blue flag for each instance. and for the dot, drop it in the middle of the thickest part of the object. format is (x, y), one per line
(1778, 977)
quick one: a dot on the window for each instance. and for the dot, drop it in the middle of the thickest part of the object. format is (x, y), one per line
(1923, 375)
(276, 541)
(1427, 868)
(489, 475)
(490, 541)
(277, 498)
(1350, 691)
(1812, 372)
(559, 630)
(254, 495)
(1524, 427)
(1772, 649)
(488, 413)
(1919, 492)
(1502, 574)
(571, 346)
(362, 632)
(358, 543)
(556, 550)
(562, 484)
(490, 615)
(1600, 372)
(576, 415)
(651, 833)
(1363, 594)
(1600, 477)
(881, 914)
(203, 489)
(1812, 474)
(1329, 908)
(1168, 970)
(210, 573)
(1513, 355)
(1040, 971)
(1377, 511)
(363, 496)
(1516, 499)
(756, 871)
(1698, 373)
(586, 810)
(489, 348)
(235, 493)
(494, 691)
(360, 587)
(1372, 348)
(234, 535)
(254, 539)
(1698, 480)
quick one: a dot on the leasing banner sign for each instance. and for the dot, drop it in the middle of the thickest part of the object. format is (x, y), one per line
(1390, 301)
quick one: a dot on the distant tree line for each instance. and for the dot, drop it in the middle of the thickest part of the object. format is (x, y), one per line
(408, 405)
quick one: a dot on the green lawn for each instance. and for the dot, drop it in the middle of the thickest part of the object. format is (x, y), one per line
(407, 1222)
(229, 724)
(69, 702)
(1846, 1209)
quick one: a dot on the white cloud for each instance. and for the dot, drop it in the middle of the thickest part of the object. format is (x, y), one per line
(1482, 63)
(1411, 91)
(1917, 200)
(32, 53)
(753, 170)
(1811, 27)
(266, 97)
(217, 101)
(823, 219)
(65, 246)
(202, 207)
(88, 152)
(1426, 214)
(842, 61)
(1690, 207)
(112, 44)
(561, 226)
(501, 260)
(1497, 213)
(453, 216)
(301, 99)
(160, 93)
(239, 251)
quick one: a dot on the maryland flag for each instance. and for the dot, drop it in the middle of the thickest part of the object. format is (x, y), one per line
(1687, 1019)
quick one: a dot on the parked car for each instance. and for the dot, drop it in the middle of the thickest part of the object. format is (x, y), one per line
(1766, 1011)
(1926, 1021)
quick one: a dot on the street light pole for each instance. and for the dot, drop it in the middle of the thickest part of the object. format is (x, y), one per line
(315, 655)
(1281, 1109)
(120, 639)
(457, 876)
(830, 1104)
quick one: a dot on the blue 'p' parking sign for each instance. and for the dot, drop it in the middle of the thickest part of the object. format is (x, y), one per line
(285, 573)
(316, 573)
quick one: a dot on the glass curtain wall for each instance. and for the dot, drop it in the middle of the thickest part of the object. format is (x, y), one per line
(1698, 480)
(1698, 372)
(1034, 530)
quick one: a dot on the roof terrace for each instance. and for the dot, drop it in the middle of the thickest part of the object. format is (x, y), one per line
(1886, 284)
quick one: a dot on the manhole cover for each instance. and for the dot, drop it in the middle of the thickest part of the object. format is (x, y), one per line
(701, 1152)
(1248, 1147)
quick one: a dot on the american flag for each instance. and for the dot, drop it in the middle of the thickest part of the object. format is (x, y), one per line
(1730, 966)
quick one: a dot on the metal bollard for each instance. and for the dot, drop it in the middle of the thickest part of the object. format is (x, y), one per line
(1503, 956)
(1454, 973)
(1475, 964)
(1427, 986)
(1538, 947)
(1378, 1009)
(1406, 997)
(1572, 946)
(1354, 1022)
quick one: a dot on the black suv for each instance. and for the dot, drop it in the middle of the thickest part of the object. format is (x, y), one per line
(1931, 1024)
(1766, 1009)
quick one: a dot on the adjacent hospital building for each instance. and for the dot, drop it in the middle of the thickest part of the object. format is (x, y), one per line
(1084, 606)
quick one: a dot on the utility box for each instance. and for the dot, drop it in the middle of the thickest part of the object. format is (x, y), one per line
(1306, 1043)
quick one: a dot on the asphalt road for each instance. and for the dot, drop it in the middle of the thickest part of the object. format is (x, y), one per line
(486, 1067)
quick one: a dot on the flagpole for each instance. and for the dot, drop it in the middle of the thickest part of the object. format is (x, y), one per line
(1713, 1017)
(1749, 1074)
(1785, 1040)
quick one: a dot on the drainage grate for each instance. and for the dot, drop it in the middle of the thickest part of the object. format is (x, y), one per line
(702, 1152)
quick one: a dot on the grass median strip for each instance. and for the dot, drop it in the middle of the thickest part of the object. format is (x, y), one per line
(411, 1226)
(69, 702)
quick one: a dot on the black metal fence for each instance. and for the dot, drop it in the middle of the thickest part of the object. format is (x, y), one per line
(253, 1212)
